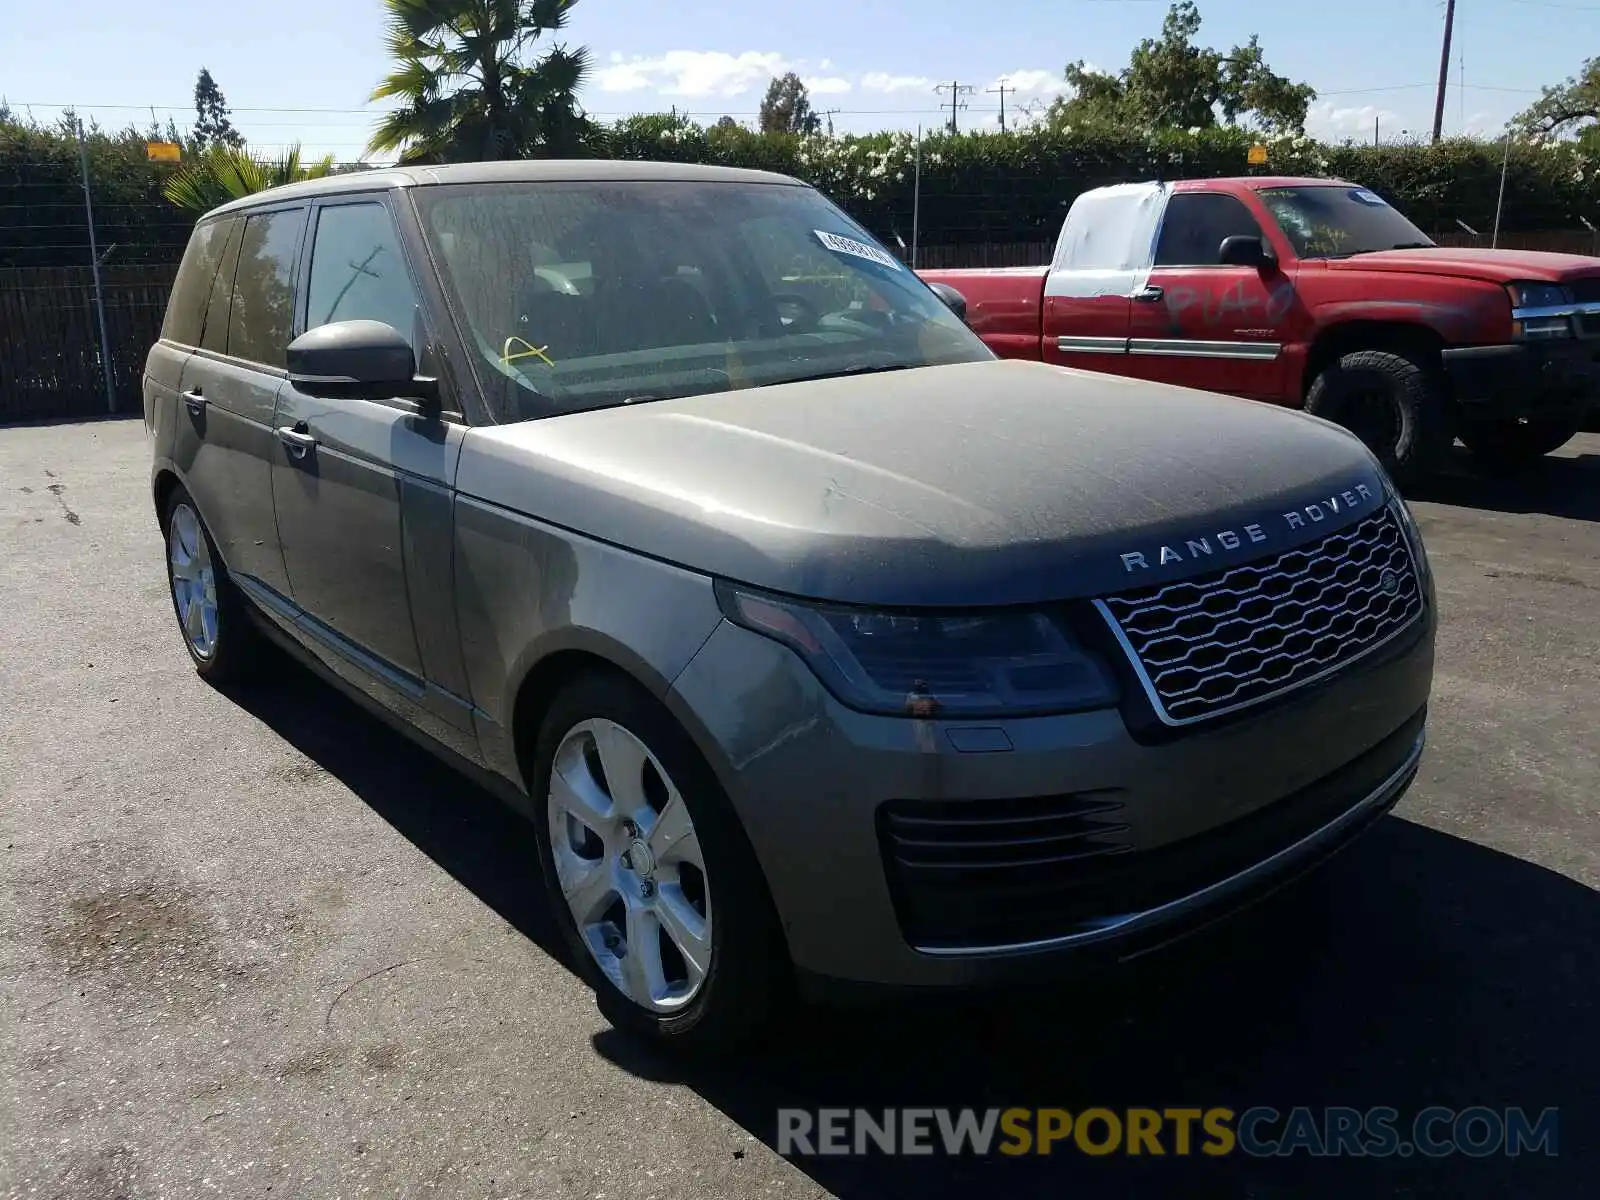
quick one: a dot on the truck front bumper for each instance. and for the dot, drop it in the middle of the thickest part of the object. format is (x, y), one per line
(1526, 379)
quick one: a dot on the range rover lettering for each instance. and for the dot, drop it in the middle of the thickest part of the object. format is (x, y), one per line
(826, 652)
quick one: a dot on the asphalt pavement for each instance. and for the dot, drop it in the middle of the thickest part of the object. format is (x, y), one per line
(255, 944)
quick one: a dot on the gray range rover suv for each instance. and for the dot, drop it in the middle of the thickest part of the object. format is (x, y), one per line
(824, 649)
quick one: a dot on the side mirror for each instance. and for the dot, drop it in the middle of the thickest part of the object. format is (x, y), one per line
(1241, 250)
(954, 300)
(357, 360)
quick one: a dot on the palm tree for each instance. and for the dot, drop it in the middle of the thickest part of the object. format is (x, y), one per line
(221, 173)
(469, 86)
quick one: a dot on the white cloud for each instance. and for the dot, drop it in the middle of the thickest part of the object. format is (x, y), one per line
(691, 72)
(1032, 83)
(827, 85)
(880, 81)
(1328, 120)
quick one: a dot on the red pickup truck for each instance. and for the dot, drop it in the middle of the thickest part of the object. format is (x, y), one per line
(1314, 293)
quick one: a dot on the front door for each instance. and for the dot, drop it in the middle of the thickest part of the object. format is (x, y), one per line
(1202, 324)
(344, 467)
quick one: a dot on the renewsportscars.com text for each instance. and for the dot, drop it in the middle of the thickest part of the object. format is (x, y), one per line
(1435, 1132)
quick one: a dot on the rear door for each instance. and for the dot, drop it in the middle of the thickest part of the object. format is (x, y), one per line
(223, 442)
(1200, 323)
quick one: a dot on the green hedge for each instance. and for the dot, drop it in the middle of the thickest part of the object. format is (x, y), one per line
(976, 188)
(1016, 187)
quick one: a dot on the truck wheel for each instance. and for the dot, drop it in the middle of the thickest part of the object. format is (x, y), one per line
(1392, 402)
(654, 885)
(1513, 445)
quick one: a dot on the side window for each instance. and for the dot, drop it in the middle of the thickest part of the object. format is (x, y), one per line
(186, 306)
(262, 314)
(1195, 224)
(357, 270)
(214, 333)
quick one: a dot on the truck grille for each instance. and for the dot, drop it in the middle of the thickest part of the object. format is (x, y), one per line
(1587, 290)
(1221, 642)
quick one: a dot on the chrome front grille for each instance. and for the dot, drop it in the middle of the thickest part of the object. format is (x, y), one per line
(1221, 642)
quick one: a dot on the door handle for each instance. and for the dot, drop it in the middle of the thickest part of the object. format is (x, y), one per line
(295, 437)
(1149, 295)
(195, 402)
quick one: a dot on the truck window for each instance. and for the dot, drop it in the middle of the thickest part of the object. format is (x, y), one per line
(1195, 224)
(358, 271)
(1335, 221)
(262, 315)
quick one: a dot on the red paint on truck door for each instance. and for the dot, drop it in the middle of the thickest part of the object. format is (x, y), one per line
(1200, 323)
(1088, 332)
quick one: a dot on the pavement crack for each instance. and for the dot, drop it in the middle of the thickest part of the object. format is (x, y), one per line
(327, 1018)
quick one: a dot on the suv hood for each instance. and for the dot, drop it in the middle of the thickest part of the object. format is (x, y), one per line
(1495, 266)
(996, 482)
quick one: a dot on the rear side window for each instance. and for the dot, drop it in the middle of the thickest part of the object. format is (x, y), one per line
(1195, 224)
(261, 317)
(214, 332)
(186, 306)
(358, 272)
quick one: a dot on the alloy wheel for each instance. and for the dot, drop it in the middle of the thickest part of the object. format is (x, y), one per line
(194, 581)
(630, 866)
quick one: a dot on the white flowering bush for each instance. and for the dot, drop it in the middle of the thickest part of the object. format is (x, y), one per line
(1017, 186)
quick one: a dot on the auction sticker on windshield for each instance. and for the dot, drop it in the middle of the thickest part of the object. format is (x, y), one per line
(843, 245)
(1363, 196)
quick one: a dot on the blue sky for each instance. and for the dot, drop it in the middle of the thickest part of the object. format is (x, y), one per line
(301, 70)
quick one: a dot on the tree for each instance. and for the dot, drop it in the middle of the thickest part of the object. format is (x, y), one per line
(220, 173)
(787, 107)
(212, 124)
(1170, 82)
(470, 86)
(1573, 106)
(726, 123)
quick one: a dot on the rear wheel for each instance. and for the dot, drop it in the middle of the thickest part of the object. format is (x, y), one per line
(216, 629)
(654, 885)
(1392, 401)
(1513, 445)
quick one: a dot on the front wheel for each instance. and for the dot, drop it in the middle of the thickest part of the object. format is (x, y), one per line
(654, 885)
(1511, 444)
(1392, 402)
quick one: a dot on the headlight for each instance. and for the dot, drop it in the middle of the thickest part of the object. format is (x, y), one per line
(1009, 662)
(1535, 296)
(1538, 295)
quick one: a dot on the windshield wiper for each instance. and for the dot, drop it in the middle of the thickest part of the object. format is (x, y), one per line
(1414, 246)
(866, 369)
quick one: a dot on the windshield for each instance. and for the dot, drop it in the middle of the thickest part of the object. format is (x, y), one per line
(589, 295)
(1336, 222)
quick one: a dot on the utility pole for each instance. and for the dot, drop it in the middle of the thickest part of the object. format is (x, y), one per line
(94, 264)
(828, 116)
(1002, 89)
(1444, 68)
(957, 91)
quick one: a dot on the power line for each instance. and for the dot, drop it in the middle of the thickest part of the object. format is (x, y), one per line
(957, 90)
(1002, 89)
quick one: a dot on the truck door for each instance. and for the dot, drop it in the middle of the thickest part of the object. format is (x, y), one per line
(1204, 324)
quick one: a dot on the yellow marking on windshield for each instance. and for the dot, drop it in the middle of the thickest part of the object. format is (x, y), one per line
(531, 351)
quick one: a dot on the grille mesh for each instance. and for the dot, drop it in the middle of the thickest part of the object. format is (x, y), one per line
(1219, 642)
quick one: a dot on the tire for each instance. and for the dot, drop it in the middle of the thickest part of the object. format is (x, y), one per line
(224, 645)
(1515, 445)
(1393, 402)
(744, 978)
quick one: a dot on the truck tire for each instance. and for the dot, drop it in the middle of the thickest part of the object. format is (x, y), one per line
(1392, 402)
(1515, 445)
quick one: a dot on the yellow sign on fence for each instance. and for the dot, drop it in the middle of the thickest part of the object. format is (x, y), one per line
(163, 151)
(1258, 154)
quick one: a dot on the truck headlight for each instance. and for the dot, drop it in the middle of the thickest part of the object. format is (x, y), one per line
(1533, 325)
(1005, 662)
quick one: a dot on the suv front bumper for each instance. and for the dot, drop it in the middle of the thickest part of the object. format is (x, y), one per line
(1526, 379)
(1177, 831)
